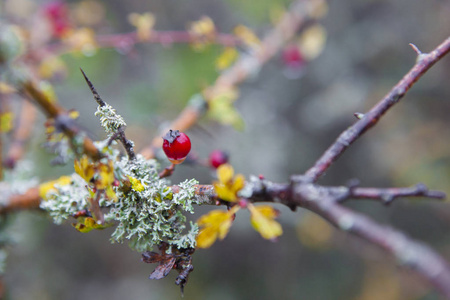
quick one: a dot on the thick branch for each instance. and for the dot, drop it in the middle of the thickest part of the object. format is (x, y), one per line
(424, 63)
(412, 254)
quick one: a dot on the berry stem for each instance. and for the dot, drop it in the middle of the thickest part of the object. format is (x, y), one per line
(168, 171)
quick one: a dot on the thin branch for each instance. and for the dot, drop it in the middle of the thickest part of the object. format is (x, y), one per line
(390, 194)
(93, 90)
(125, 41)
(163, 37)
(60, 115)
(21, 133)
(424, 63)
(168, 171)
(245, 67)
(27, 201)
(120, 134)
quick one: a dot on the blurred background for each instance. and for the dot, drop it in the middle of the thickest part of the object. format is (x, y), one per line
(291, 116)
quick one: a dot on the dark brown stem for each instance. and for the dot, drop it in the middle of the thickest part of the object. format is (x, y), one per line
(120, 134)
(424, 63)
(168, 171)
(60, 115)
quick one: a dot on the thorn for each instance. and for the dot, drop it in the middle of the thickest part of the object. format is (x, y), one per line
(387, 199)
(358, 115)
(93, 90)
(353, 183)
(418, 52)
(421, 188)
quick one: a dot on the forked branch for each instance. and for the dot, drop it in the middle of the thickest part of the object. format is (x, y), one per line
(424, 62)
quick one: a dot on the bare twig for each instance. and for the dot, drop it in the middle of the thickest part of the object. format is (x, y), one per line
(163, 37)
(424, 63)
(60, 115)
(27, 201)
(127, 144)
(390, 194)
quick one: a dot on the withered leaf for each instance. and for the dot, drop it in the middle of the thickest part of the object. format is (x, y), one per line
(163, 269)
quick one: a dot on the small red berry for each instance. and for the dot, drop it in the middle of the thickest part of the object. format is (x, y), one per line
(57, 14)
(292, 57)
(217, 158)
(176, 145)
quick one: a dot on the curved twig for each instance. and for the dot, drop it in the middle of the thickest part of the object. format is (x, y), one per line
(424, 63)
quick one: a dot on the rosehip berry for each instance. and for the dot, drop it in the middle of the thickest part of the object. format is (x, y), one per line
(217, 158)
(58, 15)
(176, 145)
(292, 57)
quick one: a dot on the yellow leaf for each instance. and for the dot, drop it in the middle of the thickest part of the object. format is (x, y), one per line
(89, 224)
(261, 219)
(88, 12)
(51, 66)
(206, 237)
(203, 27)
(312, 41)
(6, 88)
(84, 168)
(6, 121)
(216, 224)
(224, 192)
(227, 187)
(247, 36)
(268, 211)
(105, 176)
(226, 58)
(225, 173)
(136, 184)
(238, 183)
(46, 187)
(47, 89)
(144, 24)
(111, 194)
(203, 32)
(82, 40)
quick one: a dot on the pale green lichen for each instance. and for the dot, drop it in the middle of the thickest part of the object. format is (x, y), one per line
(146, 212)
(109, 119)
(150, 216)
(66, 200)
(145, 217)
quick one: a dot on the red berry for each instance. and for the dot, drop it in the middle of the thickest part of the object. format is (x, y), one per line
(292, 57)
(217, 158)
(55, 10)
(176, 145)
(58, 15)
